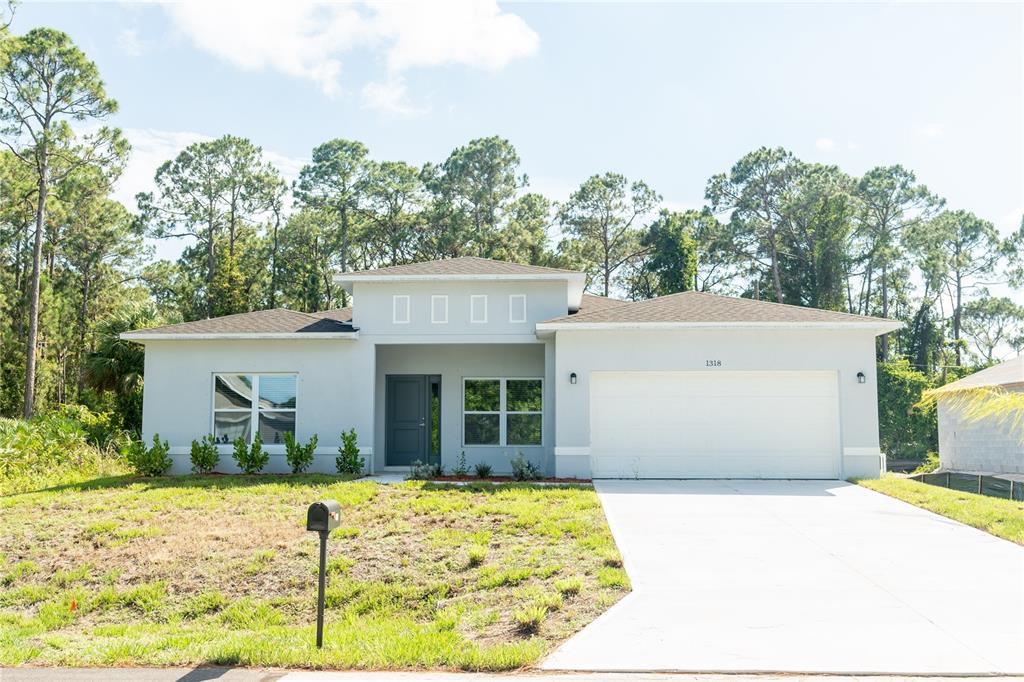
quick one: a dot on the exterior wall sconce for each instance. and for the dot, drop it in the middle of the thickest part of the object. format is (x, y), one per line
(861, 379)
(572, 378)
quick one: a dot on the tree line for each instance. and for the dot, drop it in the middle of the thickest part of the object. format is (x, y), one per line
(78, 266)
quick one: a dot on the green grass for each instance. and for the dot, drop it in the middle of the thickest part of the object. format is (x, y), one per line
(1002, 518)
(220, 570)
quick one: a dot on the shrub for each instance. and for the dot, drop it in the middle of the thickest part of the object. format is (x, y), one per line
(152, 461)
(250, 460)
(348, 460)
(905, 431)
(529, 619)
(299, 456)
(461, 469)
(931, 463)
(204, 455)
(482, 469)
(523, 469)
(419, 471)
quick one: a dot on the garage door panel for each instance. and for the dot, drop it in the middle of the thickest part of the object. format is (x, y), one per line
(714, 424)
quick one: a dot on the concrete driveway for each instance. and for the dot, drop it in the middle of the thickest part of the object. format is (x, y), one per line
(800, 576)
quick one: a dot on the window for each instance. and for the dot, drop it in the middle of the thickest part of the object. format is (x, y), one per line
(478, 308)
(400, 309)
(439, 309)
(517, 308)
(502, 411)
(242, 401)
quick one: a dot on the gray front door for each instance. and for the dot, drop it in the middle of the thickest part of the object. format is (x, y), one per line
(409, 419)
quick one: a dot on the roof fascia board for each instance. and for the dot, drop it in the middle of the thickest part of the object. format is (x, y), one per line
(879, 328)
(291, 336)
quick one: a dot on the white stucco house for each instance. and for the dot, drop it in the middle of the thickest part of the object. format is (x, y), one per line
(990, 446)
(492, 359)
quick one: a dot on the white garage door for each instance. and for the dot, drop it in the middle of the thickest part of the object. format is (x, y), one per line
(714, 424)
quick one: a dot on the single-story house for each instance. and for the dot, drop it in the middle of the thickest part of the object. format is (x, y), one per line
(989, 446)
(493, 359)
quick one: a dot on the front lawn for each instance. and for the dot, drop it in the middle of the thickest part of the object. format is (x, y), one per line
(1002, 518)
(220, 569)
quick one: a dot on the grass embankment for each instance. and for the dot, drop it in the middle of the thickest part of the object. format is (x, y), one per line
(1002, 518)
(220, 569)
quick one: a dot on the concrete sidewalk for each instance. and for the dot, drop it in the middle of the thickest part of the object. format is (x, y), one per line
(258, 675)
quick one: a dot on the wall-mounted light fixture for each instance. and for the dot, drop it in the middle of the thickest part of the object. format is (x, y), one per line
(861, 379)
(572, 378)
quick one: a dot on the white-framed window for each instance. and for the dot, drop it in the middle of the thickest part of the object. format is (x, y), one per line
(478, 308)
(517, 308)
(244, 404)
(439, 309)
(502, 411)
(400, 309)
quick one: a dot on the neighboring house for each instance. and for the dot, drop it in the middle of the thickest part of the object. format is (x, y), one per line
(987, 446)
(492, 359)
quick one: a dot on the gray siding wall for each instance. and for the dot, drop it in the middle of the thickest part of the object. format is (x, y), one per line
(454, 363)
(989, 447)
(374, 305)
(335, 379)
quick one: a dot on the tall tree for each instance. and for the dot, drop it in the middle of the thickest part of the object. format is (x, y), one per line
(211, 189)
(670, 264)
(394, 202)
(754, 192)
(45, 82)
(891, 202)
(991, 322)
(964, 250)
(600, 221)
(472, 190)
(335, 181)
(523, 237)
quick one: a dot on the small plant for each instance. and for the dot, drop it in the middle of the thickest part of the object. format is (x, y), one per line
(299, 456)
(420, 471)
(348, 460)
(205, 456)
(482, 469)
(461, 469)
(551, 601)
(151, 461)
(528, 620)
(569, 586)
(250, 460)
(929, 464)
(523, 469)
(476, 555)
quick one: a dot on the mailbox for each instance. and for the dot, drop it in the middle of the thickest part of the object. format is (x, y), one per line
(323, 516)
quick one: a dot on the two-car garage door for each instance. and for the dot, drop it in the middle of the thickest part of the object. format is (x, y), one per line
(716, 424)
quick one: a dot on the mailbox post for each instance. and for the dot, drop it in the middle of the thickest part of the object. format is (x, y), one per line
(322, 517)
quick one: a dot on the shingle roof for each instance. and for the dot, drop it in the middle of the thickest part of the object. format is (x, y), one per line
(591, 303)
(699, 307)
(458, 267)
(276, 321)
(1009, 373)
(339, 314)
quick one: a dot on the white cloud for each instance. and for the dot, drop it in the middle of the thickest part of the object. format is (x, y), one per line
(305, 40)
(825, 144)
(931, 130)
(391, 98)
(128, 41)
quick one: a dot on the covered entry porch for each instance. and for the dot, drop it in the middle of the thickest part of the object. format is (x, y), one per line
(491, 401)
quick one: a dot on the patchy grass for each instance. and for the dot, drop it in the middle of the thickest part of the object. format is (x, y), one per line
(1002, 518)
(220, 570)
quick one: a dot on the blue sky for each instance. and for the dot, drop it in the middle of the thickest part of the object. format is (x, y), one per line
(667, 93)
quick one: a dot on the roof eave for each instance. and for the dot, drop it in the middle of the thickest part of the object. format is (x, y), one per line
(878, 328)
(259, 336)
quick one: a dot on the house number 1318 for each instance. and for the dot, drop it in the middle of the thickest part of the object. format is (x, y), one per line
(712, 363)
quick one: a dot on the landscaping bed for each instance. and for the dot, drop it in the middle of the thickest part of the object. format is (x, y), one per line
(1002, 518)
(220, 570)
